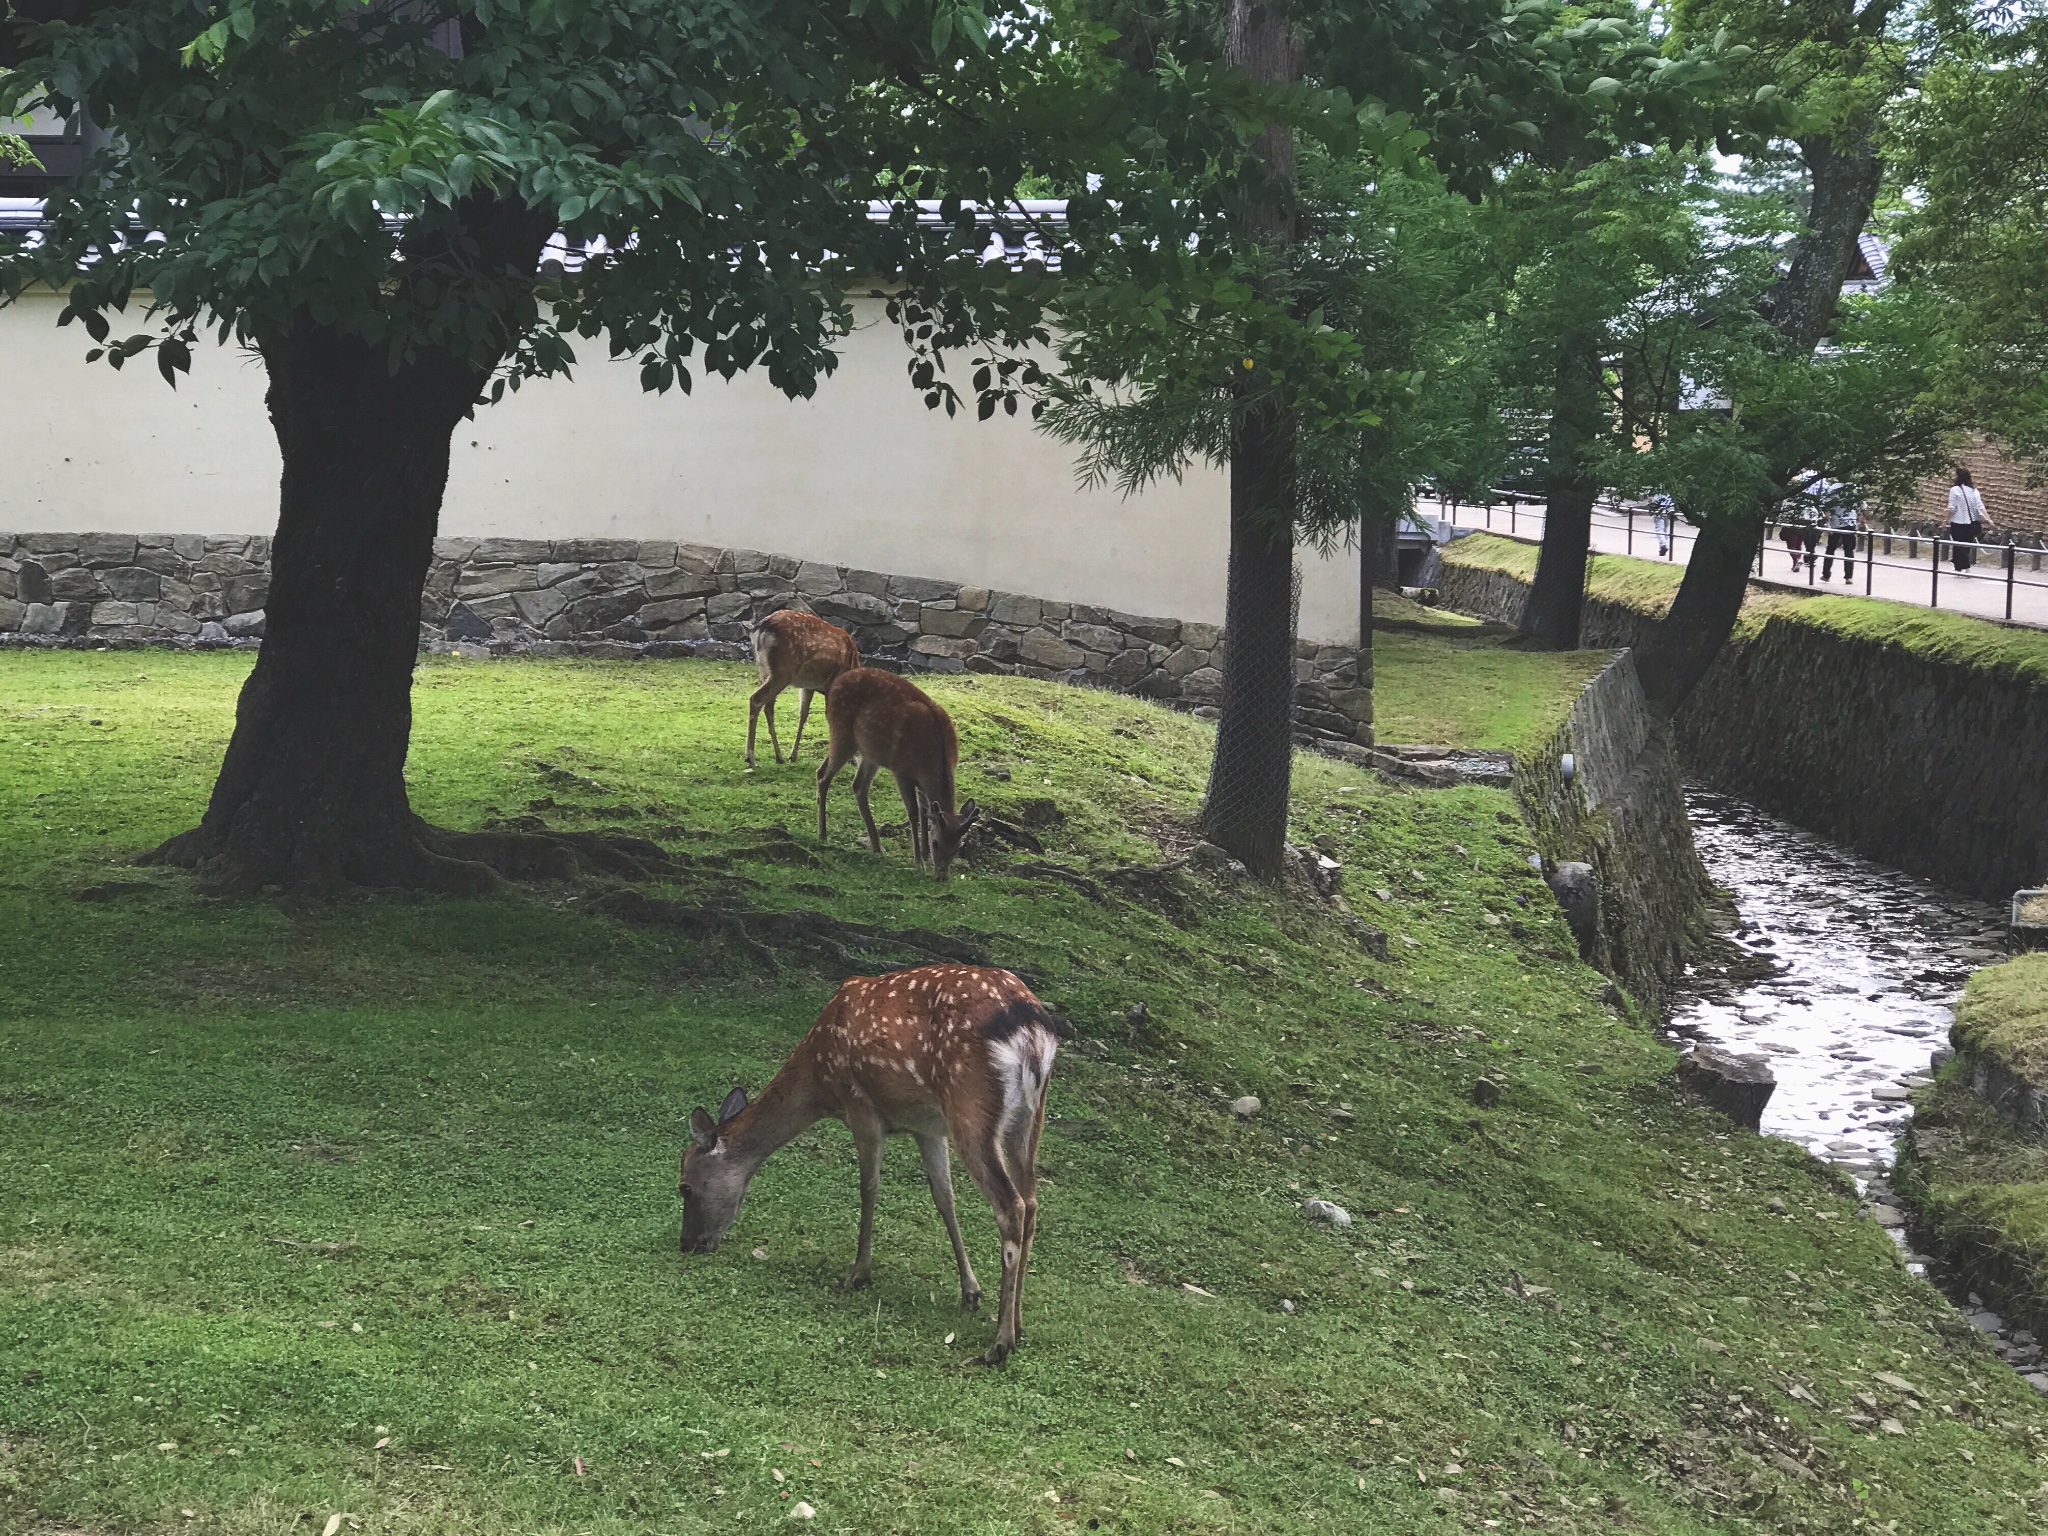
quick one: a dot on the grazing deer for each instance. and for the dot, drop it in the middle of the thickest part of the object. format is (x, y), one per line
(791, 647)
(892, 723)
(959, 1052)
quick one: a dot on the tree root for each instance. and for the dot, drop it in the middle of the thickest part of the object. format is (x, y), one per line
(860, 946)
(1152, 885)
(430, 859)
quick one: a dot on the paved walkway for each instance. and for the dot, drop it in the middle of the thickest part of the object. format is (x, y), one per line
(1905, 574)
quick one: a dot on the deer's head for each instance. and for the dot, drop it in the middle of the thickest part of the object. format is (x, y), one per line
(713, 1181)
(947, 833)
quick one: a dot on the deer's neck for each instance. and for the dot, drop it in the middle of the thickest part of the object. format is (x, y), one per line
(787, 1107)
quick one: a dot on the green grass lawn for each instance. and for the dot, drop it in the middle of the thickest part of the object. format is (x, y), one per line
(366, 1208)
(1442, 678)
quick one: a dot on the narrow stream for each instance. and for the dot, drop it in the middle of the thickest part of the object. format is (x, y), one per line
(1846, 976)
(1849, 978)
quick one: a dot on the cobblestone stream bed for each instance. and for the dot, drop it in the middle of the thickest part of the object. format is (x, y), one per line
(1844, 975)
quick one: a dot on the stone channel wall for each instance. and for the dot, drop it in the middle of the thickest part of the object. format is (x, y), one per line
(638, 598)
(1622, 811)
(1932, 766)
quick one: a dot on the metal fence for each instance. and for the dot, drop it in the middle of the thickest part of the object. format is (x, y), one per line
(2005, 580)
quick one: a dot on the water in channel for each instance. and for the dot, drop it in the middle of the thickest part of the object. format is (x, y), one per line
(1849, 977)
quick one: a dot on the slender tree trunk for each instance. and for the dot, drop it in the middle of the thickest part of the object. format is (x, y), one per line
(1368, 579)
(1557, 598)
(1846, 173)
(1681, 648)
(312, 791)
(1245, 810)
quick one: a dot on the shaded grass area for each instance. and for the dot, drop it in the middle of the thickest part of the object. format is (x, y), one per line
(1443, 678)
(1648, 586)
(368, 1206)
(1979, 1186)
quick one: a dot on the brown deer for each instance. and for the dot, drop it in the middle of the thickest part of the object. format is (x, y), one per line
(791, 647)
(944, 1052)
(892, 723)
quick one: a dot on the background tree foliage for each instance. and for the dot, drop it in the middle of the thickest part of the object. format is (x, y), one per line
(1973, 141)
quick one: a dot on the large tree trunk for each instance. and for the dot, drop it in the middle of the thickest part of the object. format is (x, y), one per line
(1846, 173)
(1557, 598)
(312, 791)
(1245, 810)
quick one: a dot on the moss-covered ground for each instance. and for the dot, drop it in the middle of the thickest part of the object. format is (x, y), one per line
(1648, 586)
(366, 1208)
(1977, 1185)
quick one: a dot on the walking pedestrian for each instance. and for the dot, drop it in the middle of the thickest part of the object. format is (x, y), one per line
(1800, 522)
(1843, 509)
(1663, 516)
(1966, 521)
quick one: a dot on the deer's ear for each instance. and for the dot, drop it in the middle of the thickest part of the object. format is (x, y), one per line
(703, 1129)
(969, 813)
(734, 1103)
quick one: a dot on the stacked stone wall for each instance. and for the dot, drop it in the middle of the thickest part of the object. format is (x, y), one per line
(627, 597)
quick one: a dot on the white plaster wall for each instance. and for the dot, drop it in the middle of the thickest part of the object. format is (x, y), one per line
(860, 475)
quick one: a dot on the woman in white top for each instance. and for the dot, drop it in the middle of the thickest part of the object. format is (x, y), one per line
(1966, 520)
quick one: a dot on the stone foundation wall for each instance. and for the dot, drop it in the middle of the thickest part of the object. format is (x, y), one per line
(628, 598)
(1623, 812)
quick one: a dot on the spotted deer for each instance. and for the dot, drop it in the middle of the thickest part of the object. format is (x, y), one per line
(800, 649)
(944, 1053)
(892, 723)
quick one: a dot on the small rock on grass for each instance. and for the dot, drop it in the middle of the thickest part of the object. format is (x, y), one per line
(1775, 1206)
(1324, 1210)
(1287, 1306)
(801, 1510)
(1486, 1093)
(1246, 1107)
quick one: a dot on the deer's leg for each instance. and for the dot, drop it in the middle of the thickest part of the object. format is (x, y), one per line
(768, 709)
(919, 833)
(762, 697)
(803, 713)
(827, 771)
(1029, 1173)
(861, 780)
(985, 1165)
(869, 1136)
(938, 1172)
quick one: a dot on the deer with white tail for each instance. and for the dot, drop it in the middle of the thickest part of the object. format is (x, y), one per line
(800, 650)
(957, 1054)
(892, 723)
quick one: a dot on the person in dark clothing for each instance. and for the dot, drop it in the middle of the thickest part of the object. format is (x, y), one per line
(1843, 509)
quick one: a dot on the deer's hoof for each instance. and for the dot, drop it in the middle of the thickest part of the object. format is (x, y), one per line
(856, 1279)
(970, 1301)
(996, 1353)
